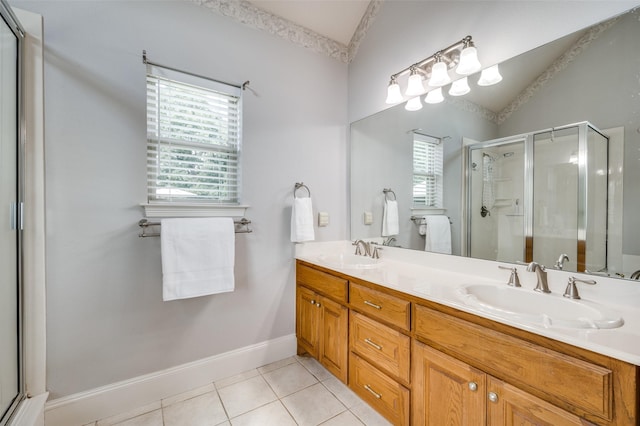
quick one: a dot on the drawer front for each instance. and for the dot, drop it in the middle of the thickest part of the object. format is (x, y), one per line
(380, 305)
(559, 378)
(387, 348)
(385, 395)
(327, 284)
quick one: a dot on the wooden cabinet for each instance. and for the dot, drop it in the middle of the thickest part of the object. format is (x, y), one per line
(447, 391)
(421, 363)
(322, 324)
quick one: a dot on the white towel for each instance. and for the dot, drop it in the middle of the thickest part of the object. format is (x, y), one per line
(302, 220)
(197, 257)
(438, 234)
(390, 225)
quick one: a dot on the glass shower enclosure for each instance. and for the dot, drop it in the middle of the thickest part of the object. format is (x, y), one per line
(539, 195)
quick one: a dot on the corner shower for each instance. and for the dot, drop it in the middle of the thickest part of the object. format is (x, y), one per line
(539, 195)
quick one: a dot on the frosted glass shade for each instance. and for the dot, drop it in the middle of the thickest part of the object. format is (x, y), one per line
(490, 76)
(468, 61)
(434, 96)
(439, 75)
(413, 104)
(414, 85)
(393, 94)
(460, 87)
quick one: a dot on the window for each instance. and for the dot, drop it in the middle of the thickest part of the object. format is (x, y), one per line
(193, 138)
(427, 171)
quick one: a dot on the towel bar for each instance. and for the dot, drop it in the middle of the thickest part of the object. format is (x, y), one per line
(242, 224)
(419, 220)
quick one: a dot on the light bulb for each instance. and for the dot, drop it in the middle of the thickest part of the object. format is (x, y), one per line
(413, 104)
(459, 87)
(490, 76)
(414, 84)
(434, 96)
(468, 61)
(393, 92)
(439, 75)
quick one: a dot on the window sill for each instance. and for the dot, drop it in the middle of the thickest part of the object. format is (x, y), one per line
(193, 210)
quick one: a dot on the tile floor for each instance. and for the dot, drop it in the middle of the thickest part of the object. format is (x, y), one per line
(293, 391)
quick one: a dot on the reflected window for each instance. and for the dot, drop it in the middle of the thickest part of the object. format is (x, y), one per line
(427, 171)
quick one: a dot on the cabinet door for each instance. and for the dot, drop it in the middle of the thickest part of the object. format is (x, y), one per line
(446, 391)
(334, 338)
(510, 406)
(307, 321)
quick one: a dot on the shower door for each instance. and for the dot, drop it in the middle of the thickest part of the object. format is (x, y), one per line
(10, 273)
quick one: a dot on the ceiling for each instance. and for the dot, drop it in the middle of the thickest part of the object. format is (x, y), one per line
(335, 19)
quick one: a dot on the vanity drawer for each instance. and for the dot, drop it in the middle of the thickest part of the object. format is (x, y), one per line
(380, 305)
(387, 348)
(385, 395)
(327, 284)
(558, 378)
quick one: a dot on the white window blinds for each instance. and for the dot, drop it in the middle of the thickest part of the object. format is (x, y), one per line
(193, 138)
(427, 171)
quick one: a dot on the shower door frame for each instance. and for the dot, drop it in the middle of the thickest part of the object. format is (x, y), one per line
(583, 189)
(7, 15)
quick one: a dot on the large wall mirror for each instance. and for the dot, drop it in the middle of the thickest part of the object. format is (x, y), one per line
(566, 113)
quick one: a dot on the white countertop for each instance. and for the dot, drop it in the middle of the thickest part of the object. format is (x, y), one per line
(437, 278)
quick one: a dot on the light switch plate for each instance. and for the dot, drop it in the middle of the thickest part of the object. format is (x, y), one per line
(323, 219)
(368, 218)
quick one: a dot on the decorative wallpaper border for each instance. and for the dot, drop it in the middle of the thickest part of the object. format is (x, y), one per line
(246, 13)
(557, 66)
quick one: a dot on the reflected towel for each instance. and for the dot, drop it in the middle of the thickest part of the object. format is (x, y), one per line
(302, 220)
(438, 234)
(198, 256)
(390, 225)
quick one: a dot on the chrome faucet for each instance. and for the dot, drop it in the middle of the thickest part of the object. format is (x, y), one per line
(360, 246)
(541, 273)
(388, 241)
(560, 262)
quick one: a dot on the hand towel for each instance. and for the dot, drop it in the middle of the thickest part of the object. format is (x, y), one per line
(198, 257)
(302, 220)
(438, 234)
(390, 225)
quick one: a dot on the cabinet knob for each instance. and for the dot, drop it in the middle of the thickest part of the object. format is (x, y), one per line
(318, 304)
(493, 397)
(313, 302)
(473, 386)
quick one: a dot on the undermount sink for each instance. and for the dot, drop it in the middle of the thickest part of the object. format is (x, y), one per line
(548, 310)
(350, 261)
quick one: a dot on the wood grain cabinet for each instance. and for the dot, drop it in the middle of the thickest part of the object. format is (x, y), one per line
(422, 363)
(447, 391)
(322, 323)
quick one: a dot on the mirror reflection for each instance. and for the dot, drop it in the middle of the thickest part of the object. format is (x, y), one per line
(434, 161)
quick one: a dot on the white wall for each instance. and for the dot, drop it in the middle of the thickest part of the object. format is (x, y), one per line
(405, 32)
(106, 321)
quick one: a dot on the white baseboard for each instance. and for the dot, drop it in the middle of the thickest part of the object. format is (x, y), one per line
(31, 411)
(106, 401)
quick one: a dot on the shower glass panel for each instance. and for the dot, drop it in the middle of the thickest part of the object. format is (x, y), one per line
(10, 387)
(496, 179)
(537, 196)
(555, 196)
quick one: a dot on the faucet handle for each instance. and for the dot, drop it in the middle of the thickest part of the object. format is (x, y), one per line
(571, 291)
(514, 280)
(376, 252)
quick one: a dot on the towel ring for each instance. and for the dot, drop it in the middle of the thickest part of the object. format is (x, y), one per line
(386, 193)
(299, 185)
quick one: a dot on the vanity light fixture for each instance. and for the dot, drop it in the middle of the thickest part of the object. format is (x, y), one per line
(461, 56)
(490, 76)
(434, 96)
(460, 87)
(413, 104)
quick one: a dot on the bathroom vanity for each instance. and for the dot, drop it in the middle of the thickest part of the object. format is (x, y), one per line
(401, 335)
